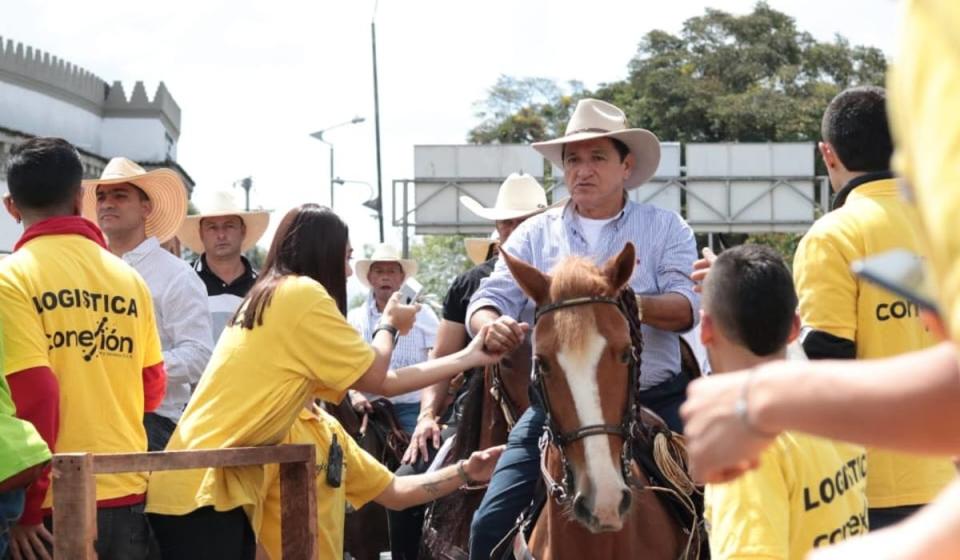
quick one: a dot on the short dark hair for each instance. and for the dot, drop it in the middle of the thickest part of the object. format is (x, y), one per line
(311, 241)
(618, 145)
(44, 174)
(750, 296)
(855, 124)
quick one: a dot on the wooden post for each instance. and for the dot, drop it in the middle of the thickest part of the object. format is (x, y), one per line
(298, 516)
(74, 506)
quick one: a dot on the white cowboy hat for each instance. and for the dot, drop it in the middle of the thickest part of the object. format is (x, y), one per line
(383, 252)
(163, 187)
(224, 204)
(519, 195)
(598, 119)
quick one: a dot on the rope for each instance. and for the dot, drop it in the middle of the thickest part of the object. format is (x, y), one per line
(692, 532)
(670, 454)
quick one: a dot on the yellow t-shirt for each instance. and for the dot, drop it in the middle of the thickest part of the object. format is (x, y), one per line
(808, 492)
(924, 105)
(256, 383)
(874, 219)
(70, 305)
(363, 479)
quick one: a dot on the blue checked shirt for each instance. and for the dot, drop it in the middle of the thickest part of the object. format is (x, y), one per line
(666, 249)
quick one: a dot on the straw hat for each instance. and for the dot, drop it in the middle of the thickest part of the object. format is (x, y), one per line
(593, 118)
(479, 247)
(163, 187)
(224, 204)
(520, 195)
(383, 252)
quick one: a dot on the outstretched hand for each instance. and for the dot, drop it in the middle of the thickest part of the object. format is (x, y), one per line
(479, 354)
(481, 463)
(701, 268)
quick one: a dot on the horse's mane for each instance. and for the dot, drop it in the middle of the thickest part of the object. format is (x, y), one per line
(575, 277)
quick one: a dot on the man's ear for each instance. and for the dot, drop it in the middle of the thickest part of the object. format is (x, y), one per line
(707, 332)
(148, 206)
(78, 203)
(830, 158)
(794, 328)
(11, 207)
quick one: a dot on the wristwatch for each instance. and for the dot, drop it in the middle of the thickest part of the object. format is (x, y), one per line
(390, 329)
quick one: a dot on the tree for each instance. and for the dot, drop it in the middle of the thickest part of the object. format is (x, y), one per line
(745, 78)
(440, 258)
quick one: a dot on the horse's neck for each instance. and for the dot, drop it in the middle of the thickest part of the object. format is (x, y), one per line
(648, 532)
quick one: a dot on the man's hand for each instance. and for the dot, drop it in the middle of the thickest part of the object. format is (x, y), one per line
(360, 402)
(721, 445)
(399, 315)
(481, 463)
(27, 542)
(504, 335)
(701, 267)
(480, 354)
(427, 430)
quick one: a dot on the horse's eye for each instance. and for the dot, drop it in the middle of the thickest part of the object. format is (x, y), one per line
(625, 357)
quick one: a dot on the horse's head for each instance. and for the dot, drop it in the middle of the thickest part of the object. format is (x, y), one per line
(584, 361)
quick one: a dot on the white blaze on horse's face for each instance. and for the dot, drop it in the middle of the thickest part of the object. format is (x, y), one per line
(580, 365)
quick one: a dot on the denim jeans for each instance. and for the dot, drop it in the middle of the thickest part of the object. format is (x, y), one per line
(514, 478)
(122, 533)
(11, 508)
(407, 416)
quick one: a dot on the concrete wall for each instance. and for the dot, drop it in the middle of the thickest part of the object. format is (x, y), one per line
(140, 139)
(39, 114)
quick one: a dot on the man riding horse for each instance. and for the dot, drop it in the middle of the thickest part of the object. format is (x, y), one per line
(601, 159)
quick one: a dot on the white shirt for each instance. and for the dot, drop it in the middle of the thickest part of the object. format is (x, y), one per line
(411, 348)
(591, 228)
(183, 320)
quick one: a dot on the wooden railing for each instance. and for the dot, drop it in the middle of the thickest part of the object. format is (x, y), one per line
(75, 502)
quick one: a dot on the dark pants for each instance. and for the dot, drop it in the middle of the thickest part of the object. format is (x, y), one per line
(159, 429)
(205, 534)
(885, 517)
(122, 533)
(406, 525)
(514, 478)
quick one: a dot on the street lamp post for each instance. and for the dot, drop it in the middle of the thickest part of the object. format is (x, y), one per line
(319, 136)
(373, 203)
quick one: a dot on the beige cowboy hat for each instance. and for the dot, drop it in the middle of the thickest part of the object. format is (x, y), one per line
(163, 187)
(479, 247)
(520, 195)
(384, 252)
(224, 204)
(593, 118)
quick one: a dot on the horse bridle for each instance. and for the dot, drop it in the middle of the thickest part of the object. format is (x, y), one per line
(627, 429)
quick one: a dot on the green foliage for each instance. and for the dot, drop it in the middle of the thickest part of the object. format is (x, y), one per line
(441, 258)
(750, 78)
(783, 243)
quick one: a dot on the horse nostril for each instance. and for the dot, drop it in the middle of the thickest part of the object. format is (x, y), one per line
(580, 508)
(625, 502)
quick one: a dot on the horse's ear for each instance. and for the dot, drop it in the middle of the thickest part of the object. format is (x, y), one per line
(619, 269)
(533, 282)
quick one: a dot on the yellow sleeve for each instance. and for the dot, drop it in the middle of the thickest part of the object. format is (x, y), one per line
(924, 89)
(24, 339)
(749, 517)
(152, 351)
(365, 478)
(826, 288)
(332, 350)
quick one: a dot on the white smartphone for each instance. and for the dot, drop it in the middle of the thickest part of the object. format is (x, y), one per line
(410, 290)
(901, 272)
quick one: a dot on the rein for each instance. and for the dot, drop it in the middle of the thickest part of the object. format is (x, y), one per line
(552, 435)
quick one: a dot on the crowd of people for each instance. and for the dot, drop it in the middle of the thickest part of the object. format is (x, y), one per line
(111, 343)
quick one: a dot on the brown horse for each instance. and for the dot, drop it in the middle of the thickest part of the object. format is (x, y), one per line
(606, 504)
(495, 400)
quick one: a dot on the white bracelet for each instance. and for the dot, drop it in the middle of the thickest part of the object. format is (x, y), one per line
(742, 407)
